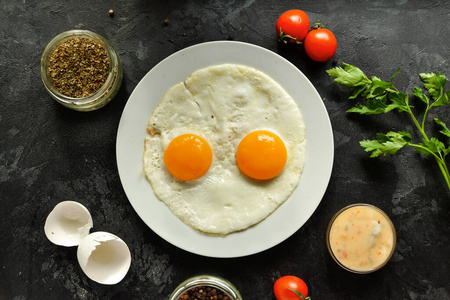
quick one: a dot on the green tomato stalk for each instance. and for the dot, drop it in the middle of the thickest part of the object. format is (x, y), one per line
(300, 294)
(383, 97)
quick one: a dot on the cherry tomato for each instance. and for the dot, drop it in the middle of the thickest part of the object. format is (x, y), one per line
(292, 26)
(283, 284)
(320, 44)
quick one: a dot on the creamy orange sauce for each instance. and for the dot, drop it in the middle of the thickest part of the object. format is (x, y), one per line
(361, 238)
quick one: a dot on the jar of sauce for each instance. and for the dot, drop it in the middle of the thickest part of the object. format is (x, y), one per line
(361, 238)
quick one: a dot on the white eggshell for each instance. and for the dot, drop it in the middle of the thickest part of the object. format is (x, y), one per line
(104, 257)
(68, 223)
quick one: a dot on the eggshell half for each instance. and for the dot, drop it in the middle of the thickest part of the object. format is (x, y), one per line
(104, 257)
(68, 223)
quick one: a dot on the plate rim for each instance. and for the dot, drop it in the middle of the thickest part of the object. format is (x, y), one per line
(324, 177)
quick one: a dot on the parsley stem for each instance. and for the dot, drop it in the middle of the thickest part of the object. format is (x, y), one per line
(416, 122)
(421, 128)
(440, 161)
(439, 158)
(424, 118)
(444, 171)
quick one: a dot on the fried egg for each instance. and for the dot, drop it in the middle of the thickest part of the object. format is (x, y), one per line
(226, 148)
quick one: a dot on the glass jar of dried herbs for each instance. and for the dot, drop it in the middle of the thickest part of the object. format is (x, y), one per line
(205, 287)
(81, 70)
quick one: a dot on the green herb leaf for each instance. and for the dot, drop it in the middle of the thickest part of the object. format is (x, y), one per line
(399, 102)
(378, 105)
(373, 107)
(358, 90)
(386, 144)
(445, 130)
(364, 110)
(376, 91)
(436, 145)
(377, 88)
(395, 75)
(434, 83)
(441, 101)
(349, 76)
(432, 145)
(419, 94)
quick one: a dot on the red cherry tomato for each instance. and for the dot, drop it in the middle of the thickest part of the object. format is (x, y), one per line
(292, 26)
(283, 285)
(320, 44)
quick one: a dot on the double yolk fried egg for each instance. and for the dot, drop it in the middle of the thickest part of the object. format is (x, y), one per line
(226, 148)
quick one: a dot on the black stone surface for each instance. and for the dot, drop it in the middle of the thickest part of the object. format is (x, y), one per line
(49, 153)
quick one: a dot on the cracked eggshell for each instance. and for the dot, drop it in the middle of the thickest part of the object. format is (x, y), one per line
(68, 223)
(104, 257)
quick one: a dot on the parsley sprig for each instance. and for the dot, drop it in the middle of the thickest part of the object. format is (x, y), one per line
(383, 97)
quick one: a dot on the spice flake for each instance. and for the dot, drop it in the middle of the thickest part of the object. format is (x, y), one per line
(78, 67)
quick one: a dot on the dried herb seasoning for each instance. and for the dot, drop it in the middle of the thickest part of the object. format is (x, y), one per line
(203, 293)
(78, 67)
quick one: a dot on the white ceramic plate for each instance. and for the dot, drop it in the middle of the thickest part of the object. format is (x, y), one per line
(282, 223)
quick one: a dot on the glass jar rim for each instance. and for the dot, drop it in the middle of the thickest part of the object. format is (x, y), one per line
(391, 225)
(206, 280)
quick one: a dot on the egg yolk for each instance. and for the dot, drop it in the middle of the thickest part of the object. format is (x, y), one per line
(261, 155)
(188, 157)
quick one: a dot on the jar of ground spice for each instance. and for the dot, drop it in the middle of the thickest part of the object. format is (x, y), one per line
(204, 287)
(81, 70)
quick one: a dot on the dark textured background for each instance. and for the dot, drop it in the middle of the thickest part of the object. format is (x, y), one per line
(49, 153)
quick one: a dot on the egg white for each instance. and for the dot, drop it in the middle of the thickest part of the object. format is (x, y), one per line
(224, 103)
